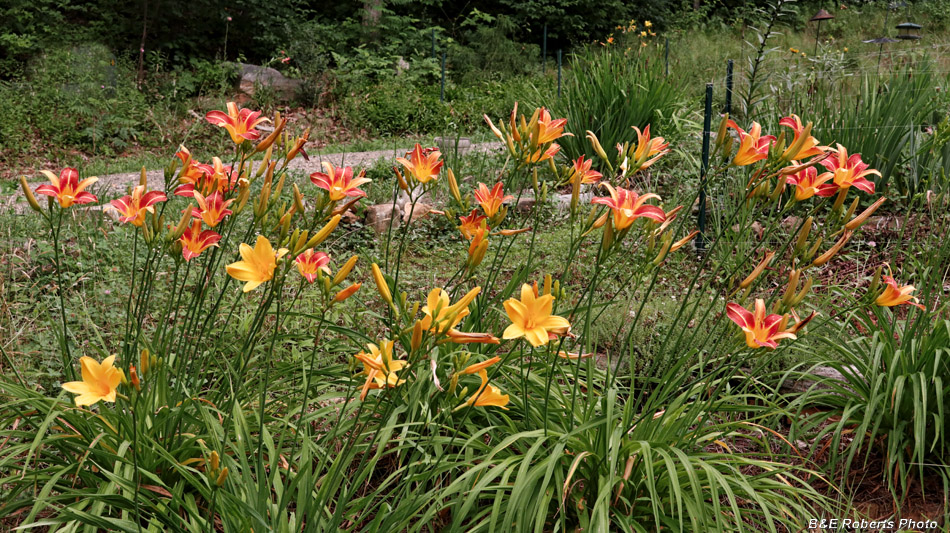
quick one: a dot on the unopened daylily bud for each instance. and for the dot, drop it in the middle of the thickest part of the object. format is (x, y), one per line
(608, 238)
(792, 286)
(491, 125)
(825, 257)
(261, 206)
(326, 283)
(465, 337)
(758, 270)
(779, 188)
(222, 477)
(812, 251)
(145, 360)
(302, 238)
(801, 294)
(453, 185)
(243, 195)
(324, 232)
(298, 200)
(851, 209)
(345, 270)
(215, 461)
(595, 144)
(147, 233)
(859, 221)
(722, 133)
(667, 243)
(401, 180)
(381, 285)
(347, 292)
(875, 280)
(269, 140)
(134, 378)
(547, 284)
(30, 198)
(265, 163)
(298, 146)
(416, 340)
(682, 242)
(143, 178)
(803, 234)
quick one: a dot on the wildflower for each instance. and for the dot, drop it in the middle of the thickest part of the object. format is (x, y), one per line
(194, 241)
(487, 395)
(761, 330)
(643, 34)
(132, 208)
(531, 317)
(648, 24)
(752, 145)
(471, 224)
(440, 314)
(540, 155)
(808, 183)
(628, 206)
(549, 130)
(849, 171)
(582, 174)
(212, 209)
(423, 165)
(491, 201)
(240, 123)
(309, 262)
(380, 367)
(647, 148)
(895, 294)
(257, 265)
(803, 145)
(67, 189)
(99, 381)
(610, 40)
(193, 175)
(339, 182)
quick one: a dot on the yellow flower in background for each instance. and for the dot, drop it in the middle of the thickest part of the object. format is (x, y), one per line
(99, 381)
(531, 318)
(380, 368)
(258, 263)
(487, 395)
(896, 294)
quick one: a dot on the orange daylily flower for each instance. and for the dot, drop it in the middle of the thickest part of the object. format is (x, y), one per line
(339, 182)
(549, 130)
(808, 183)
(66, 188)
(212, 209)
(539, 155)
(257, 265)
(380, 367)
(471, 224)
(648, 148)
(309, 262)
(753, 146)
(849, 171)
(194, 241)
(99, 381)
(628, 206)
(761, 330)
(133, 207)
(193, 175)
(487, 395)
(240, 123)
(423, 165)
(800, 147)
(582, 174)
(491, 201)
(895, 294)
(531, 317)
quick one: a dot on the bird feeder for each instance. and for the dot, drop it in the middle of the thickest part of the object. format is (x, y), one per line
(908, 31)
(820, 16)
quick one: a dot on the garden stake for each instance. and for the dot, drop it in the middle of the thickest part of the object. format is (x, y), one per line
(667, 54)
(442, 89)
(433, 44)
(558, 72)
(728, 109)
(707, 118)
(544, 50)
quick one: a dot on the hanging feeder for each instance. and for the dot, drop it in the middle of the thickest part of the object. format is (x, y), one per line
(820, 16)
(908, 31)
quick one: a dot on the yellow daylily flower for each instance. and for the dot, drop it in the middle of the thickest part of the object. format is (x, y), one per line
(99, 381)
(258, 263)
(531, 318)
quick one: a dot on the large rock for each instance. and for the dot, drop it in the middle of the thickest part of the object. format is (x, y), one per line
(252, 77)
(380, 217)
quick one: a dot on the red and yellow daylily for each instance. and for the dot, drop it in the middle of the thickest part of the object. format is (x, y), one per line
(761, 330)
(380, 368)
(753, 146)
(897, 294)
(257, 265)
(193, 175)
(849, 171)
(582, 174)
(422, 164)
(309, 262)
(66, 188)
(628, 206)
(132, 208)
(212, 209)
(531, 317)
(440, 314)
(194, 241)
(648, 148)
(492, 200)
(808, 183)
(472, 223)
(803, 145)
(339, 182)
(487, 395)
(240, 123)
(100, 381)
(540, 155)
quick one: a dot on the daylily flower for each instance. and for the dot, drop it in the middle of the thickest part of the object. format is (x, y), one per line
(194, 241)
(491, 201)
(309, 262)
(531, 317)
(752, 145)
(761, 330)
(66, 188)
(193, 175)
(808, 183)
(895, 294)
(380, 367)
(240, 123)
(423, 165)
(339, 182)
(803, 145)
(849, 171)
(582, 174)
(132, 208)
(440, 314)
(212, 209)
(539, 155)
(648, 148)
(628, 206)
(258, 263)
(487, 395)
(99, 381)
(549, 130)
(471, 224)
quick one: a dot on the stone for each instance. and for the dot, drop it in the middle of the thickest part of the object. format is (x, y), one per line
(757, 229)
(453, 145)
(106, 211)
(525, 204)
(412, 214)
(401, 65)
(791, 223)
(251, 77)
(380, 217)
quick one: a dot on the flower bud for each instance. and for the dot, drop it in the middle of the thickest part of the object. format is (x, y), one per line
(416, 340)
(269, 140)
(682, 242)
(324, 232)
(801, 294)
(757, 271)
(215, 461)
(667, 240)
(859, 221)
(143, 178)
(803, 234)
(222, 477)
(825, 257)
(345, 270)
(298, 200)
(347, 292)
(812, 251)
(30, 198)
(134, 378)
(453, 185)
(381, 285)
(145, 360)
(595, 144)
(789, 295)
